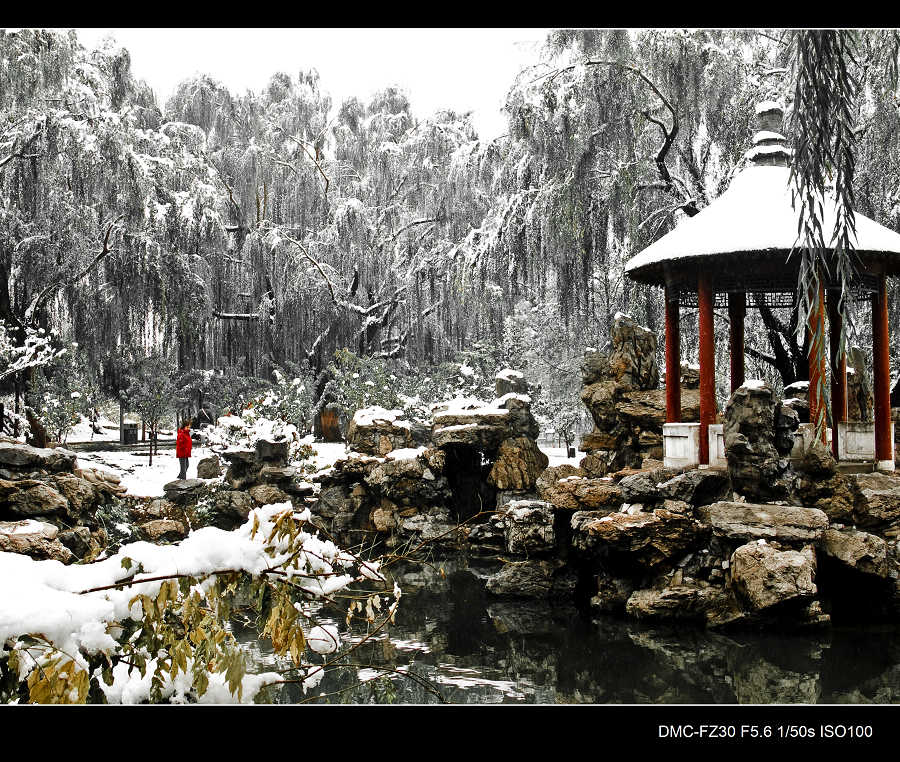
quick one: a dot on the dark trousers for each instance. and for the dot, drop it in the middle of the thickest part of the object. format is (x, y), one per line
(182, 474)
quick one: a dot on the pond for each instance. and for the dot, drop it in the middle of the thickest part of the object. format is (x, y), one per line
(453, 643)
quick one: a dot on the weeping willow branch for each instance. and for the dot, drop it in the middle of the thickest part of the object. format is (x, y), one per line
(58, 283)
(824, 141)
(688, 205)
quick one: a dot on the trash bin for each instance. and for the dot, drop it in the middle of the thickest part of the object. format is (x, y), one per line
(129, 433)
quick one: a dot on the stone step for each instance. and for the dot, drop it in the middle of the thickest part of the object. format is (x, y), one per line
(864, 467)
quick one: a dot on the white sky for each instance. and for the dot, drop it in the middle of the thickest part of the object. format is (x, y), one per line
(460, 69)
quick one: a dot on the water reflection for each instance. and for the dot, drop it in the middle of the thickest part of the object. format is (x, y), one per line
(454, 643)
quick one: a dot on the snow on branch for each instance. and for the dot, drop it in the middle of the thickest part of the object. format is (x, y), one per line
(35, 351)
(149, 623)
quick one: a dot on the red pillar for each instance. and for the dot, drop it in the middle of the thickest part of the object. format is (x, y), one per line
(673, 357)
(737, 309)
(838, 368)
(884, 447)
(707, 363)
(817, 360)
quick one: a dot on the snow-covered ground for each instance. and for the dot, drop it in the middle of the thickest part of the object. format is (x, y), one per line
(559, 457)
(135, 471)
(82, 431)
(142, 479)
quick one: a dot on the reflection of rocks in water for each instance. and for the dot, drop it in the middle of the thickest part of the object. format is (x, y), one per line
(477, 649)
(761, 682)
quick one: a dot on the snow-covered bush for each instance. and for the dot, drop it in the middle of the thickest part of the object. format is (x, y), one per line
(64, 389)
(150, 623)
(244, 431)
(290, 399)
(471, 375)
(357, 382)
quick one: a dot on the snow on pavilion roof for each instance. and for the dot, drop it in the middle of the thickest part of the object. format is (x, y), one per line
(754, 215)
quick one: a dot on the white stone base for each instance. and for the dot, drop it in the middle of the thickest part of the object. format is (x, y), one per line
(716, 438)
(681, 445)
(856, 441)
(803, 436)
(885, 465)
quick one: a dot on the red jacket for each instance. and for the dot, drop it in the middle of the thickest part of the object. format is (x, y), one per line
(183, 444)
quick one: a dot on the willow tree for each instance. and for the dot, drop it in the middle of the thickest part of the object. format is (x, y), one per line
(105, 208)
(613, 138)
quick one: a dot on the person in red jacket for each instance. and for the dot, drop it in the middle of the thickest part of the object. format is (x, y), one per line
(183, 447)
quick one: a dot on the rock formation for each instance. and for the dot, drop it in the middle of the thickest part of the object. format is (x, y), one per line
(48, 504)
(628, 410)
(758, 440)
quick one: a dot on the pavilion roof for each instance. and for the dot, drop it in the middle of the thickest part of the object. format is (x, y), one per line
(754, 216)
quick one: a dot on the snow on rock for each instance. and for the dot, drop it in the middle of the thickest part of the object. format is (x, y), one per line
(368, 416)
(508, 374)
(753, 383)
(406, 453)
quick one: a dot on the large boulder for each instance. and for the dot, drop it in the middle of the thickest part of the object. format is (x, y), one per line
(518, 465)
(416, 480)
(209, 468)
(763, 575)
(754, 521)
(106, 484)
(647, 409)
(435, 526)
(229, 508)
(80, 494)
(161, 530)
(529, 527)
(633, 358)
(640, 541)
(864, 552)
(877, 500)
(29, 497)
(243, 468)
(272, 452)
(697, 487)
(510, 381)
(818, 484)
(17, 456)
(185, 491)
(756, 466)
(707, 604)
(377, 431)
(644, 486)
(579, 493)
(796, 398)
(267, 494)
(628, 410)
(484, 427)
(78, 540)
(32, 538)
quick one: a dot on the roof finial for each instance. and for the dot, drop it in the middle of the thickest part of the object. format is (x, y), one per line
(769, 144)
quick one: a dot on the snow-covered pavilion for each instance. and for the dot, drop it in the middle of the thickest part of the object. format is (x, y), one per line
(739, 247)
